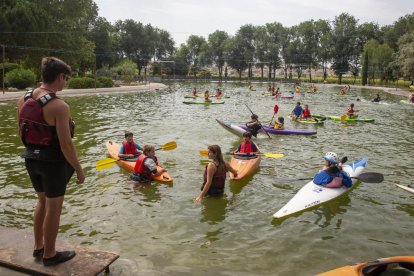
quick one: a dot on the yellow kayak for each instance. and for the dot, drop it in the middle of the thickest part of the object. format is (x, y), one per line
(395, 264)
(244, 165)
(113, 150)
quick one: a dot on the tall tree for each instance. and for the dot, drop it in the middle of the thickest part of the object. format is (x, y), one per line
(217, 42)
(344, 41)
(195, 46)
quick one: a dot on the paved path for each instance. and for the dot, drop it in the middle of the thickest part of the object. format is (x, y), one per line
(14, 96)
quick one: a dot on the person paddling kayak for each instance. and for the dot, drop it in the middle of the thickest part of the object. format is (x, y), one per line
(247, 146)
(377, 99)
(129, 149)
(253, 126)
(351, 111)
(146, 166)
(331, 175)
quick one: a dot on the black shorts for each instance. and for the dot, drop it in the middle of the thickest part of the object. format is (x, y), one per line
(48, 177)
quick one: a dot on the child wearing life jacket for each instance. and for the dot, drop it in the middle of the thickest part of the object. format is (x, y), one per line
(331, 175)
(411, 98)
(253, 126)
(280, 124)
(129, 149)
(306, 112)
(194, 92)
(146, 166)
(247, 146)
(207, 96)
(218, 93)
(351, 111)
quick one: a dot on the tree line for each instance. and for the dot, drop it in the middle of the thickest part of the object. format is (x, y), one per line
(73, 31)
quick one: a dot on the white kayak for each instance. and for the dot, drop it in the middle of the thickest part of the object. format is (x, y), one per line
(237, 130)
(313, 195)
(408, 189)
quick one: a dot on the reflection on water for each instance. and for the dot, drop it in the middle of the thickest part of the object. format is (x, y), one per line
(160, 230)
(214, 209)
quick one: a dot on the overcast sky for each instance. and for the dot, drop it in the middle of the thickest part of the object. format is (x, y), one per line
(182, 18)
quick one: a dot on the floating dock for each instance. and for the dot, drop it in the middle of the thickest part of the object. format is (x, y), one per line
(16, 248)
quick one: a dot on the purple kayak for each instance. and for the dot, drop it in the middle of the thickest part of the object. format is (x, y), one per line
(285, 131)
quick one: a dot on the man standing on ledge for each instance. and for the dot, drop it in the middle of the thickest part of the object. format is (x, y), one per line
(46, 129)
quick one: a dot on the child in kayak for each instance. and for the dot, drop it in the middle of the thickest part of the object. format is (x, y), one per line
(377, 99)
(280, 124)
(351, 111)
(194, 92)
(129, 149)
(306, 112)
(247, 146)
(253, 126)
(146, 166)
(207, 96)
(411, 98)
(214, 174)
(218, 93)
(297, 111)
(331, 175)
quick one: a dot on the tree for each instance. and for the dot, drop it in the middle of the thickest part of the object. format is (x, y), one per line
(344, 41)
(275, 32)
(195, 46)
(102, 33)
(217, 42)
(404, 58)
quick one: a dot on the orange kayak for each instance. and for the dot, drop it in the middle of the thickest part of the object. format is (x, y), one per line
(113, 150)
(374, 267)
(244, 165)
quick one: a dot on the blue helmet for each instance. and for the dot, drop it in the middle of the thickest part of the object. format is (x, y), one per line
(332, 158)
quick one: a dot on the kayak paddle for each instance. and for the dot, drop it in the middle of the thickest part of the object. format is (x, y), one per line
(275, 110)
(108, 162)
(368, 177)
(204, 152)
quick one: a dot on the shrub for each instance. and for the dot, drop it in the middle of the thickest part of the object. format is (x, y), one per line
(105, 82)
(77, 83)
(20, 78)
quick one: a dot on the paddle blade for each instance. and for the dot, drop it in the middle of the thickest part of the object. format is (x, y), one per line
(370, 177)
(104, 163)
(274, 155)
(204, 152)
(170, 146)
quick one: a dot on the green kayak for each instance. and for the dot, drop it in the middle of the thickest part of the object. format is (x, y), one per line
(203, 102)
(347, 119)
(406, 102)
(314, 120)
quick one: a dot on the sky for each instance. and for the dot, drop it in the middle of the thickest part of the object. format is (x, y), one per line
(182, 18)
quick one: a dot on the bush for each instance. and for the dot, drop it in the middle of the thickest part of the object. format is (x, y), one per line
(20, 78)
(77, 83)
(105, 82)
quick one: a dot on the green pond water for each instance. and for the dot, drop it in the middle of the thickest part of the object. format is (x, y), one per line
(161, 231)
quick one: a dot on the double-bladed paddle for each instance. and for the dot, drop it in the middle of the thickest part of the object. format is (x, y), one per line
(368, 177)
(108, 162)
(204, 152)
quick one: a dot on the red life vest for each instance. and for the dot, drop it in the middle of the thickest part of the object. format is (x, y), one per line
(219, 178)
(129, 148)
(306, 113)
(33, 129)
(140, 165)
(246, 147)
